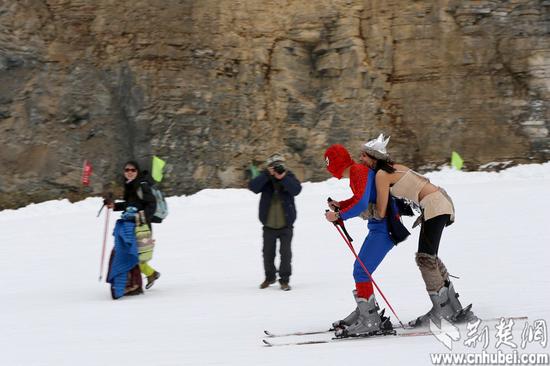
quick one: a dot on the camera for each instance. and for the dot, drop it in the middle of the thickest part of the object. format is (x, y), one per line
(279, 168)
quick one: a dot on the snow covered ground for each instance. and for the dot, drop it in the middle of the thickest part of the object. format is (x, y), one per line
(206, 309)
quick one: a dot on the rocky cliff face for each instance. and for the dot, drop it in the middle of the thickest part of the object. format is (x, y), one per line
(212, 85)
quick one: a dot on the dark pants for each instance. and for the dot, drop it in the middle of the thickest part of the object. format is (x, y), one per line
(269, 251)
(430, 234)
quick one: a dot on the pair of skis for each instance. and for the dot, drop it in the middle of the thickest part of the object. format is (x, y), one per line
(394, 333)
(398, 331)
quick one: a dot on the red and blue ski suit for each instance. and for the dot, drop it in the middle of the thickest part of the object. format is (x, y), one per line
(378, 242)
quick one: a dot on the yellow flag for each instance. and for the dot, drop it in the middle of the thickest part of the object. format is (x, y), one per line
(158, 165)
(456, 161)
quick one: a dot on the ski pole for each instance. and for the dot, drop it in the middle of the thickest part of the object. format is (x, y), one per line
(367, 272)
(108, 197)
(101, 209)
(104, 243)
(340, 221)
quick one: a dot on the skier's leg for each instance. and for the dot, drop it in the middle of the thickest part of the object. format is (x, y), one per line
(442, 270)
(369, 321)
(372, 253)
(362, 290)
(146, 269)
(151, 274)
(460, 314)
(269, 250)
(351, 318)
(431, 240)
(134, 284)
(144, 236)
(453, 296)
(438, 292)
(375, 247)
(430, 234)
(427, 264)
(285, 269)
(433, 270)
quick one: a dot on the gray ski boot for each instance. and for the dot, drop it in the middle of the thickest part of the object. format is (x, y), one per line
(350, 319)
(441, 309)
(368, 323)
(460, 314)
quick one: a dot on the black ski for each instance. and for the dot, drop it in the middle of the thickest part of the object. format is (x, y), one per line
(355, 338)
(395, 326)
(275, 335)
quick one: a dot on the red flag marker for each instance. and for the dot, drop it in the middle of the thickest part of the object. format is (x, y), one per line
(86, 172)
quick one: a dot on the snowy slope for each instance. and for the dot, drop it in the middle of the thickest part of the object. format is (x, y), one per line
(207, 309)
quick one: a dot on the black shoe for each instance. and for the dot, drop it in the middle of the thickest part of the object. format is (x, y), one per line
(267, 283)
(151, 279)
(137, 291)
(284, 285)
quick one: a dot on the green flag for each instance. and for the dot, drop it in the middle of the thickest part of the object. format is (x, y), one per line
(456, 161)
(158, 165)
(254, 172)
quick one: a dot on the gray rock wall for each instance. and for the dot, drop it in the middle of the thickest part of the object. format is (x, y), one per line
(211, 86)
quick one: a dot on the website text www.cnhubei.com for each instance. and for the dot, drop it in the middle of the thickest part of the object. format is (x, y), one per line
(487, 358)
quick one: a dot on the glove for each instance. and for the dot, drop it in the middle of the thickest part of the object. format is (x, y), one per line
(253, 171)
(108, 199)
(333, 205)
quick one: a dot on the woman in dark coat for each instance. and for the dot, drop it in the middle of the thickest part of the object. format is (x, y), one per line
(137, 197)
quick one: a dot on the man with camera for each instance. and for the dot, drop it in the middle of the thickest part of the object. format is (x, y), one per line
(277, 214)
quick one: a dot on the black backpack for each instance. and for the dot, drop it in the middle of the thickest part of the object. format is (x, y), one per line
(396, 208)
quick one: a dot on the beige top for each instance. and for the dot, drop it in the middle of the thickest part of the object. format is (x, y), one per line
(434, 204)
(409, 185)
